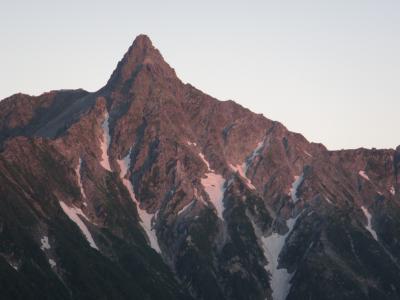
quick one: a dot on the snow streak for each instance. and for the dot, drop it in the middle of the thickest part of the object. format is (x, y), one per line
(272, 247)
(363, 175)
(145, 218)
(78, 174)
(186, 207)
(307, 153)
(369, 224)
(242, 169)
(298, 180)
(253, 155)
(205, 161)
(75, 215)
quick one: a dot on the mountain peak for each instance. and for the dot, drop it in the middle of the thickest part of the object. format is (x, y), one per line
(142, 41)
(153, 175)
(141, 53)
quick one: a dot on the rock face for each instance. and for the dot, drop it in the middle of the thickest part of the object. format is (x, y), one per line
(151, 189)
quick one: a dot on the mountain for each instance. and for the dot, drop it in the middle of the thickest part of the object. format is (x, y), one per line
(151, 189)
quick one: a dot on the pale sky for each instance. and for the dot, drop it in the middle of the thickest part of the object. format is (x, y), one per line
(327, 69)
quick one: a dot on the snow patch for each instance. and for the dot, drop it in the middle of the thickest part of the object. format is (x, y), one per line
(214, 186)
(52, 263)
(105, 144)
(369, 224)
(191, 144)
(241, 169)
(45, 243)
(145, 218)
(78, 175)
(75, 215)
(392, 190)
(12, 262)
(364, 175)
(298, 180)
(328, 200)
(272, 247)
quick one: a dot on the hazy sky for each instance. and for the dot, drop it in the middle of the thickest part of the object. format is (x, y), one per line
(329, 69)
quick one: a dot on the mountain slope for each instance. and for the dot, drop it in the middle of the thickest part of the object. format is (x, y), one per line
(151, 189)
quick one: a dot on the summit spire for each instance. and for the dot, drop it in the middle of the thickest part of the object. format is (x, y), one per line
(141, 53)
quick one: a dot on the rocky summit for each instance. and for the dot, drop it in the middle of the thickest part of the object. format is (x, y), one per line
(151, 189)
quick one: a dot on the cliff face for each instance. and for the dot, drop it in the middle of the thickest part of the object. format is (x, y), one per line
(151, 189)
